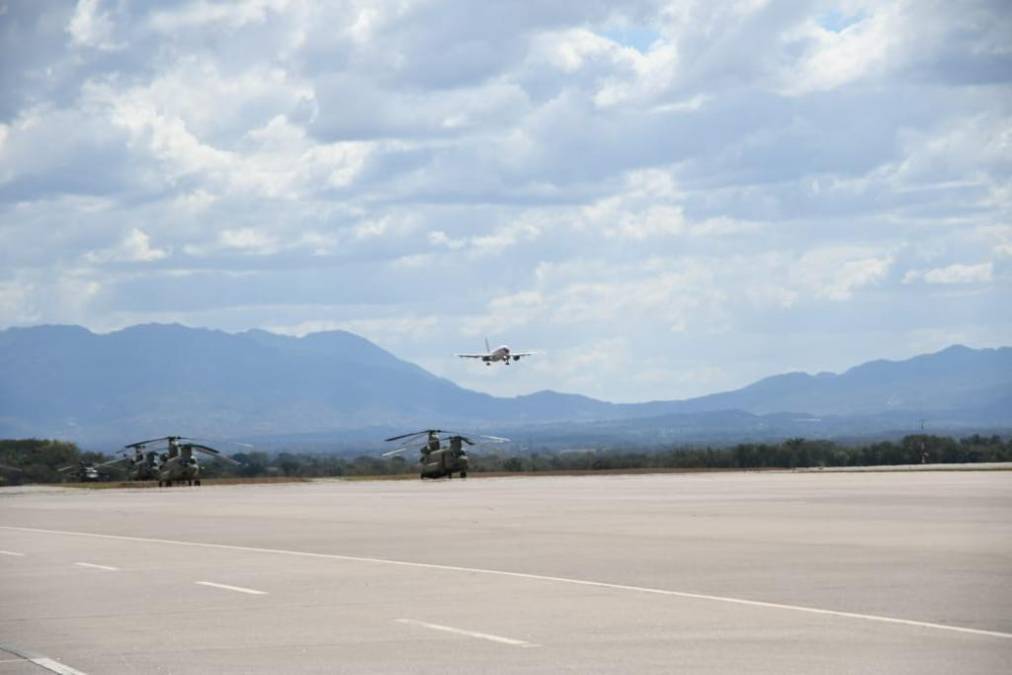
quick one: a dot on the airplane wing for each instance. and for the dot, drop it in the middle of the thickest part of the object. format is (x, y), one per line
(472, 356)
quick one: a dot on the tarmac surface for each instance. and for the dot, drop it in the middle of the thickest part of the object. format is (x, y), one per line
(715, 572)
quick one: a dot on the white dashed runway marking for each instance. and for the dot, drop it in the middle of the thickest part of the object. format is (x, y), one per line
(39, 660)
(93, 566)
(238, 589)
(469, 633)
(523, 575)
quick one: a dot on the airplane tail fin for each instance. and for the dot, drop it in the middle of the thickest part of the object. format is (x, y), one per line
(488, 350)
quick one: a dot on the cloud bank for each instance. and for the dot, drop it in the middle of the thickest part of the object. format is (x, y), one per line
(667, 198)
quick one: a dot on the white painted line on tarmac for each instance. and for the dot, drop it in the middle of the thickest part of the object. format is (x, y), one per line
(41, 661)
(55, 666)
(468, 633)
(239, 589)
(93, 566)
(524, 575)
(14, 553)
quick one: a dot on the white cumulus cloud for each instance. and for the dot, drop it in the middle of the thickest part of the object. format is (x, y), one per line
(953, 274)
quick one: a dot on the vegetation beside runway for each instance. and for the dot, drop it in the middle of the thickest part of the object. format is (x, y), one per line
(258, 480)
(37, 460)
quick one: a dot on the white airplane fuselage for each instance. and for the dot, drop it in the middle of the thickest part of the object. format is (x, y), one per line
(498, 354)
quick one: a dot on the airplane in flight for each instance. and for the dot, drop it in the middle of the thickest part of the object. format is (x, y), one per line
(502, 353)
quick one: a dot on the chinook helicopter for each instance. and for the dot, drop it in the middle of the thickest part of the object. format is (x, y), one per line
(143, 462)
(176, 465)
(443, 453)
(86, 472)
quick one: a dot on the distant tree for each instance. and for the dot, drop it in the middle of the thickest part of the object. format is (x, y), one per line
(513, 464)
(38, 460)
(252, 463)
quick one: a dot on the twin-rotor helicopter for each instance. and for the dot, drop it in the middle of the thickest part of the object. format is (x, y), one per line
(443, 453)
(87, 472)
(175, 464)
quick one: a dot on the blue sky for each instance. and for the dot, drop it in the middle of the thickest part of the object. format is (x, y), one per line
(666, 198)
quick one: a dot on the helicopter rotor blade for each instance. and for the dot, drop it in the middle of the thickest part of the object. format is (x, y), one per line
(495, 439)
(218, 454)
(225, 458)
(221, 440)
(139, 444)
(416, 433)
(203, 448)
(5, 467)
(395, 452)
(112, 461)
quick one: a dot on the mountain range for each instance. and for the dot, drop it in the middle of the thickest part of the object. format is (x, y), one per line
(155, 379)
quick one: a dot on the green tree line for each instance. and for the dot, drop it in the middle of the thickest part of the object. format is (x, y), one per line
(38, 460)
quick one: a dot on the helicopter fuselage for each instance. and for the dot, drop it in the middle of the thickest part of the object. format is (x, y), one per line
(146, 468)
(89, 473)
(444, 462)
(179, 468)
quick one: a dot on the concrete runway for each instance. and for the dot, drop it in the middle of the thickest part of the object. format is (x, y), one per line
(729, 572)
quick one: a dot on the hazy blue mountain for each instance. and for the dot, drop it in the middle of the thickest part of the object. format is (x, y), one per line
(64, 381)
(955, 378)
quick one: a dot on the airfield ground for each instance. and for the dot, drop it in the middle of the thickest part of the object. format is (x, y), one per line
(727, 572)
